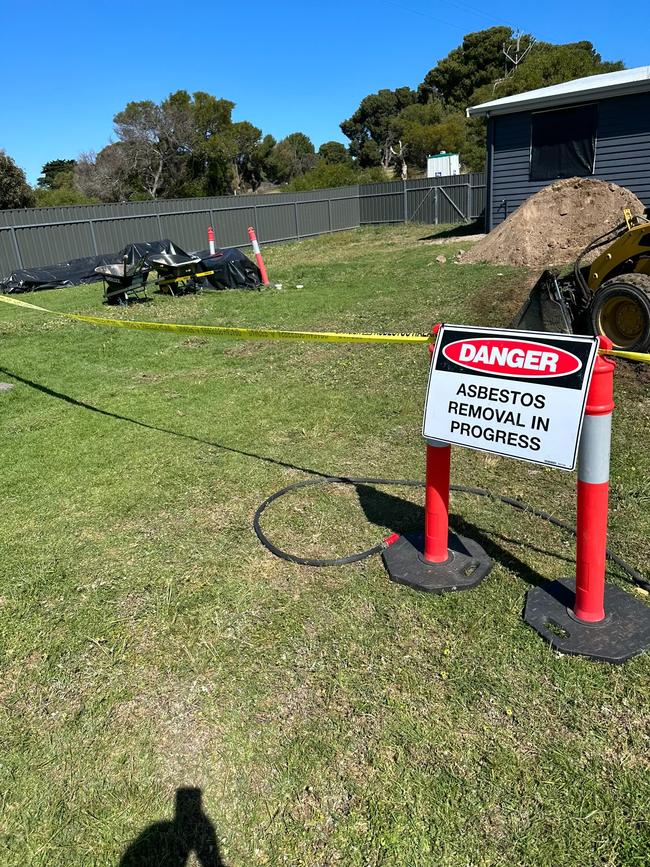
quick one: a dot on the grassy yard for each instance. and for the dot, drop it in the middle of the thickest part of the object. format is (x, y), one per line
(150, 643)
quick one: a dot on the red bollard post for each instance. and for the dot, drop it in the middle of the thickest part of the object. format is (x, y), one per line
(258, 255)
(436, 561)
(436, 498)
(589, 617)
(211, 240)
(593, 491)
(436, 503)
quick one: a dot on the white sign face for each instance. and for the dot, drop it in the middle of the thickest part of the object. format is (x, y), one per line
(521, 394)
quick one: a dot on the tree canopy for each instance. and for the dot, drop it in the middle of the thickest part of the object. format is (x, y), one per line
(15, 192)
(390, 128)
(370, 128)
(52, 171)
(189, 145)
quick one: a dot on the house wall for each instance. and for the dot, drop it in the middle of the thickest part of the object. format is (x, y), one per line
(622, 153)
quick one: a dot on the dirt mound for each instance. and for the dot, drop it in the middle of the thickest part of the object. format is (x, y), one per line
(554, 225)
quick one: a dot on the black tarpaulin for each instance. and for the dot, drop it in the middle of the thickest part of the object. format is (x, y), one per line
(563, 143)
(232, 269)
(79, 271)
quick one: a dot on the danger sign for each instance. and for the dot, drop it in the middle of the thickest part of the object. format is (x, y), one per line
(516, 393)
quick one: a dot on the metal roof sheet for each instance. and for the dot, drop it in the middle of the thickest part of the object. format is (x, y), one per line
(592, 87)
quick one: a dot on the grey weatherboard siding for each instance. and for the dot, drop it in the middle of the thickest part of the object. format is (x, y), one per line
(622, 153)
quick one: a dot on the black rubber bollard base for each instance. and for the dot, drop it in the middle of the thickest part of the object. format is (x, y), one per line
(624, 633)
(466, 566)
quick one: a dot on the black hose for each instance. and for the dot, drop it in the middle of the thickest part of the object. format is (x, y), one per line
(636, 577)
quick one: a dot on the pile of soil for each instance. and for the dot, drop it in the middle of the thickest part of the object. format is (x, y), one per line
(554, 225)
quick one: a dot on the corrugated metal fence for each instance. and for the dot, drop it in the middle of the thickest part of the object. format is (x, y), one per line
(43, 236)
(452, 199)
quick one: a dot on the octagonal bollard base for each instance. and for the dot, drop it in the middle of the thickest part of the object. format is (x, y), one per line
(624, 633)
(466, 566)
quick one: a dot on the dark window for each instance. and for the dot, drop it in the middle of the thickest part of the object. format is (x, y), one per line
(563, 143)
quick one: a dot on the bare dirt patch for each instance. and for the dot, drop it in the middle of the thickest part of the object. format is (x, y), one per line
(450, 240)
(554, 225)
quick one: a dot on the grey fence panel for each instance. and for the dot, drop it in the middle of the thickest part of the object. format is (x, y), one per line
(276, 223)
(36, 243)
(42, 236)
(112, 235)
(478, 198)
(231, 225)
(423, 204)
(8, 255)
(382, 203)
(346, 213)
(453, 203)
(313, 218)
(451, 199)
(189, 230)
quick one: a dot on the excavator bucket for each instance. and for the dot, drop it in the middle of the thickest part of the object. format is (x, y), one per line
(545, 309)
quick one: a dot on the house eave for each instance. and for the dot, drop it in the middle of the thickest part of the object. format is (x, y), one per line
(557, 100)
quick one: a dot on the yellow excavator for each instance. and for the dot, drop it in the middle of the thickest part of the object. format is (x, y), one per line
(611, 296)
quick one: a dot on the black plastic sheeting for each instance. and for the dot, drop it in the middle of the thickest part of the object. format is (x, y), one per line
(72, 273)
(79, 271)
(232, 268)
(563, 143)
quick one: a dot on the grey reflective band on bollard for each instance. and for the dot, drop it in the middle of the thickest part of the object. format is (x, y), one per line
(595, 446)
(436, 444)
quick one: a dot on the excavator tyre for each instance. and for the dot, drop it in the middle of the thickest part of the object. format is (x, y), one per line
(620, 309)
(545, 309)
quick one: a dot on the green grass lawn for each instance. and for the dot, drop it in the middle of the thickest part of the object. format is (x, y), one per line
(330, 717)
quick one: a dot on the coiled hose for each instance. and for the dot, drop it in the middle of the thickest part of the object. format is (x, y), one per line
(514, 503)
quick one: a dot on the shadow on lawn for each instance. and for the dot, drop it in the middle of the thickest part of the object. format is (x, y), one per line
(404, 517)
(475, 228)
(80, 403)
(382, 509)
(170, 843)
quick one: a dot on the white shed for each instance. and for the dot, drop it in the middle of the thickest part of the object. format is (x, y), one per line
(442, 164)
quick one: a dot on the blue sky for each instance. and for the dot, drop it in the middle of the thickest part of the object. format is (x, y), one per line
(68, 67)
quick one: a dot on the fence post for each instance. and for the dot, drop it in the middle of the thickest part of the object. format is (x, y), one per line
(435, 204)
(329, 214)
(159, 226)
(295, 211)
(406, 202)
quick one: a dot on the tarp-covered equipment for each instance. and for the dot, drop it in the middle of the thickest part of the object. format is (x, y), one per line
(224, 269)
(76, 272)
(231, 269)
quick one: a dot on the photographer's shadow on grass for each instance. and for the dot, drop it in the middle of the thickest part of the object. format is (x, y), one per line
(170, 843)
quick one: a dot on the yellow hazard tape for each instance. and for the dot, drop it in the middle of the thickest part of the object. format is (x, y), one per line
(267, 333)
(631, 356)
(184, 277)
(225, 331)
